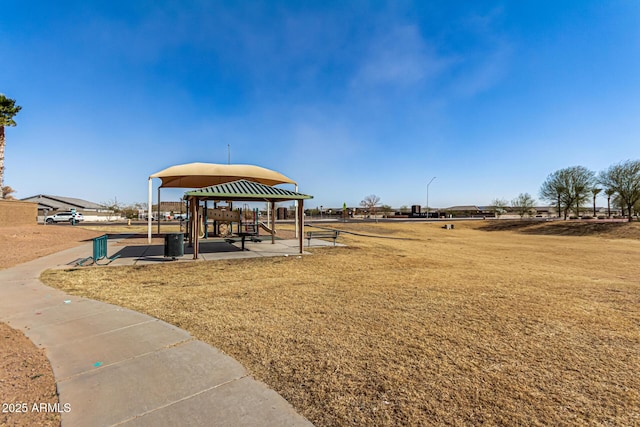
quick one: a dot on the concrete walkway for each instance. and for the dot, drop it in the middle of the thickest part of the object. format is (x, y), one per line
(117, 367)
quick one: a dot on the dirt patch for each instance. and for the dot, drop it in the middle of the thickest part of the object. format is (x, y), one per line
(27, 387)
(34, 241)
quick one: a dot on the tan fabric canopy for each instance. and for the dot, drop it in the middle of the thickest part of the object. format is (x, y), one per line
(198, 175)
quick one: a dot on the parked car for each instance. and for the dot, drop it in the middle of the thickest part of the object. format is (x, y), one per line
(64, 217)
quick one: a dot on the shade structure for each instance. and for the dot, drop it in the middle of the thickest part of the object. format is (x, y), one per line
(247, 191)
(199, 175)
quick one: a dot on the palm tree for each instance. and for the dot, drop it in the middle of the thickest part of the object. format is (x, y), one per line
(595, 191)
(8, 109)
(609, 192)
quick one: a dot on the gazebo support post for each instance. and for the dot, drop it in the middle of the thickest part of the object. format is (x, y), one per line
(215, 223)
(300, 222)
(206, 220)
(297, 202)
(194, 228)
(149, 197)
(190, 221)
(273, 223)
(158, 216)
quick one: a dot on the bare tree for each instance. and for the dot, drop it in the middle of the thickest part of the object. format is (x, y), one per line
(112, 207)
(624, 180)
(524, 205)
(499, 206)
(370, 203)
(553, 190)
(130, 211)
(568, 187)
(7, 191)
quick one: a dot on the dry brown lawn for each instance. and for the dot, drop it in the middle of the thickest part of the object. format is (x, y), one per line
(425, 326)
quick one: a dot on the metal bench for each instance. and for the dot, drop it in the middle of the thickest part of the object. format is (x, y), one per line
(325, 234)
(99, 252)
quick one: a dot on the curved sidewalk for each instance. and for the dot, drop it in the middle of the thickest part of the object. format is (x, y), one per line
(117, 367)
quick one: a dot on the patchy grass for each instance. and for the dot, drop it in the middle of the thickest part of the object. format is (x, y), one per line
(436, 326)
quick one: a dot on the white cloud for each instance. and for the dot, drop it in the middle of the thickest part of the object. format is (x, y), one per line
(401, 58)
(482, 71)
(336, 142)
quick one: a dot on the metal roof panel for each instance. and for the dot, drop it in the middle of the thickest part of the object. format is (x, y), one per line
(246, 190)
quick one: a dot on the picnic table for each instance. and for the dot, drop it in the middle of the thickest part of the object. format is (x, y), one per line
(243, 236)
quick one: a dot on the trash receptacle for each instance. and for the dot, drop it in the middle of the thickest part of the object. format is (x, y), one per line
(173, 245)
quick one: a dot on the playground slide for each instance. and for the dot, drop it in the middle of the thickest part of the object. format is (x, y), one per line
(266, 228)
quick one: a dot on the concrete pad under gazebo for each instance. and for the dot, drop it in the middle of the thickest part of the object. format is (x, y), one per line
(244, 191)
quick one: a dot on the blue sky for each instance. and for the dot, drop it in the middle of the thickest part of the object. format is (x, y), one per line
(348, 98)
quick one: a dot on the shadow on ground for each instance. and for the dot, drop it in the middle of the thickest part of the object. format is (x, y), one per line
(156, 252)
(607, 229)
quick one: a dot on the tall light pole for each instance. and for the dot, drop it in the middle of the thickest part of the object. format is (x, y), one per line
(428, 195)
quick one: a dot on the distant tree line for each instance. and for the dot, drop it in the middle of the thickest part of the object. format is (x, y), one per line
(574, 186)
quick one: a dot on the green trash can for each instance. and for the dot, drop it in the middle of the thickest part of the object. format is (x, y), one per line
(173, 245)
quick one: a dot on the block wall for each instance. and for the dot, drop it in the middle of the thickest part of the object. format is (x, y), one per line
(14, 212)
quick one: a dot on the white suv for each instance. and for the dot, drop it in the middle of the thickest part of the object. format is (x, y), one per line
(64, 217)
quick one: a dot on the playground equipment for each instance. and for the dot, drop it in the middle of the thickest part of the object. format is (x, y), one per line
(249, 220)
(266, 228)
(223, 221)
(244, 190)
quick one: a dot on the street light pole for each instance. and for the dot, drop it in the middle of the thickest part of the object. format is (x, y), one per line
(428, 195)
